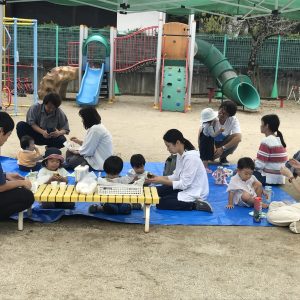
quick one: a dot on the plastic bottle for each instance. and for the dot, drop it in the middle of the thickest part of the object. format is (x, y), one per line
(257, 210)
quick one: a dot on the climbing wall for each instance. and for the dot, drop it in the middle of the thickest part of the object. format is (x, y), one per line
(174, 87)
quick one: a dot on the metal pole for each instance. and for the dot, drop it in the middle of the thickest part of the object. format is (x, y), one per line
(1, 45)
(81, 37)
(35, 62)
(16, 59)
(56, 46)
(158, 58)
(192, 26)
(225, 45)
(111, 64)
(274, 93)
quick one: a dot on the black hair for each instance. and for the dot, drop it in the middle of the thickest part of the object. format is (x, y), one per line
(25, 141)
(137, 161)
(246, 163)
(113, 165)
(230, 107)
(273, 123)
(6, 122)
(89, 116)
(48, 152)
(174, 135)
(52, 98)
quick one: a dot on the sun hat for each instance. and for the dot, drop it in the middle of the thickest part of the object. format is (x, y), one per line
(208, 114)
(53, 153)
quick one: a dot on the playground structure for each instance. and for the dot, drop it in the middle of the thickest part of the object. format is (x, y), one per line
(11, 85)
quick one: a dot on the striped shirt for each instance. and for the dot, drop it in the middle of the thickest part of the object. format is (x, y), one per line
(271, 157)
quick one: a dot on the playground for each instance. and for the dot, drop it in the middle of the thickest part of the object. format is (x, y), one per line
(79, 257)
(171, 262)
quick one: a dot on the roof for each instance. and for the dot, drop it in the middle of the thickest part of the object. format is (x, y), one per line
(238, 8)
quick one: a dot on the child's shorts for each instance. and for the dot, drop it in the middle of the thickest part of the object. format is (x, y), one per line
(240, 202)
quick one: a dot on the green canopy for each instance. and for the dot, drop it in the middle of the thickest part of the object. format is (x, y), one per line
(241, 8)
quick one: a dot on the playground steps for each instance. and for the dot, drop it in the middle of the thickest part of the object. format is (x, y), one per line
(174, 87)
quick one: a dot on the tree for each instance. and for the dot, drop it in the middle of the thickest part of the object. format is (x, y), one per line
(261, 29)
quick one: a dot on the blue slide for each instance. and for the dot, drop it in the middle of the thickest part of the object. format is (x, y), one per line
(90, 86)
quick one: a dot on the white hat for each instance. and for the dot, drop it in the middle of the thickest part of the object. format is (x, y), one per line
(208, 114)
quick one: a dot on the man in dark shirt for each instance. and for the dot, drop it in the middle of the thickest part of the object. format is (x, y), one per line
(46, 123)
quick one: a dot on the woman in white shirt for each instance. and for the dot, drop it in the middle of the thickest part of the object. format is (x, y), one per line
(96, 146)
(187, 188)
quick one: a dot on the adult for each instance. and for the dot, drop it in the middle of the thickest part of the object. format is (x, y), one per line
(15, 194)
(226, 142)
(271, 155)
(97, 144)
(46, 123)
(283, 213)
(187, 188)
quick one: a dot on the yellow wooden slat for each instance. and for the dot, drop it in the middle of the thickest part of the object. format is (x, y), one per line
(38, 193)
(68, 193)
(98, 198)
(133, 199)
(155, 197)
(126, 199)
(81, 198)
(52, 195)
(141, 198)
(74, 196)
(46, 192)
(89, 198)
(60, 194)
(111, 199)
(148, 196)
(119, 199)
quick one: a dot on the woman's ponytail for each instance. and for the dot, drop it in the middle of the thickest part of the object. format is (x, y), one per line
(188, 145)
(174, 135)
(279, 134)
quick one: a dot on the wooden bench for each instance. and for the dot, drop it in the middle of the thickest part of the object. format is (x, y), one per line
(46, 194)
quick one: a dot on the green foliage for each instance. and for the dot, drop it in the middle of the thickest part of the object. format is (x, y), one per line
(212, 24)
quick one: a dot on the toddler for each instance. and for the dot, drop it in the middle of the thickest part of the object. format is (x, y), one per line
(137, 162)
(29, 155)
(113, 166)
(243, 186)
(207, 135)
(52, 170)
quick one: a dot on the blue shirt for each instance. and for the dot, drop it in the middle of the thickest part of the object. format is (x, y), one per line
(2, 176)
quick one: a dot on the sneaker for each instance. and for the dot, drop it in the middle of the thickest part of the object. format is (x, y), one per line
(224, 161)
(94, 208)
(202, 205)
(136, 206)
(295, 227)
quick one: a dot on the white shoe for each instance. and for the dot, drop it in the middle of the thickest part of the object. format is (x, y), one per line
(295, 227)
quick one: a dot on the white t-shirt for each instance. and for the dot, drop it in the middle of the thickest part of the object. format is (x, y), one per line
(236, 184)
(97, 146)
(44, 174)
(231, 126)
(190, 176)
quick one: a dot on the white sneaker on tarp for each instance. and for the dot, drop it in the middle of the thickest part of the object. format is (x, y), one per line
(295, 227)
(203, 205)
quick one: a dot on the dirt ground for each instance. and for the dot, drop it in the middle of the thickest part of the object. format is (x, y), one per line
(82, 258)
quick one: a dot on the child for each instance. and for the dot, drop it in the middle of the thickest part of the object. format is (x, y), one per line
(113, 166)
(52, 167)
(29, 156)
(137, 162)
(207, 133)
(53, 171)
(243, 186)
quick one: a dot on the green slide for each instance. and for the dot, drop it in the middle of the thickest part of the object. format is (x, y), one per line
(238, 88)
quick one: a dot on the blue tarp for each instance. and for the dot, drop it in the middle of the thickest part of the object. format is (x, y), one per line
(238, 216)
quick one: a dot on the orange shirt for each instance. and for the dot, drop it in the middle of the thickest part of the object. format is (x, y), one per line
(28, 158)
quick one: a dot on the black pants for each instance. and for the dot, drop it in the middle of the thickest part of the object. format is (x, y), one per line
(260, 178)
(15, 201)
(74, 160)
(25, 129)
(206, 147)
(168, 199)
(30, 169)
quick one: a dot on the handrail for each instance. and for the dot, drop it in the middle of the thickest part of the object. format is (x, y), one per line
(162, 74)
(135, 33)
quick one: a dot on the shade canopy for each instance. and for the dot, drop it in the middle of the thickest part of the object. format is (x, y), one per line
(230, 8)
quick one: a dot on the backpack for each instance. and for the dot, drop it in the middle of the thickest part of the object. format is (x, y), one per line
(170, 165)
